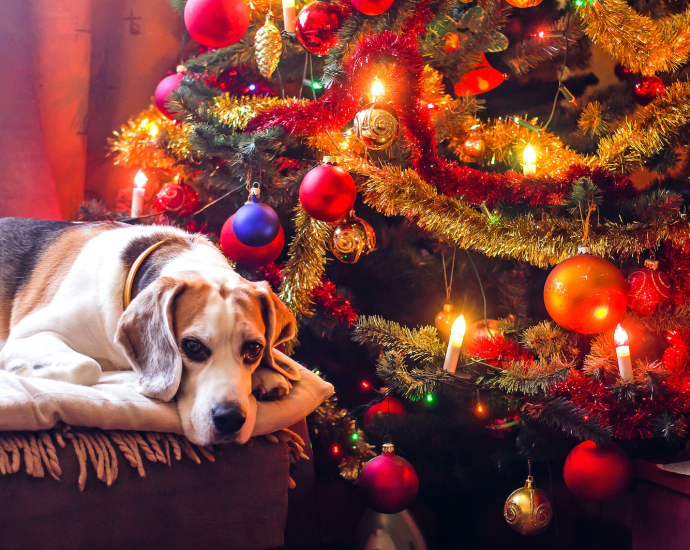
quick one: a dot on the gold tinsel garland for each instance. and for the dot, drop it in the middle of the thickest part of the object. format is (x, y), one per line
(542, 243)
(640, 43)
(137, 142)
(648, 133)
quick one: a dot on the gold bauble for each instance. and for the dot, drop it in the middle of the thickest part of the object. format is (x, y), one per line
(528, 510)
(352, 238)
(451, 42)
(524, 3)
(377, 125)
(474, 146)
(268, 46)
(445, 318)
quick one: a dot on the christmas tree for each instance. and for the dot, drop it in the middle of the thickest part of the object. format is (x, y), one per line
(432, 158)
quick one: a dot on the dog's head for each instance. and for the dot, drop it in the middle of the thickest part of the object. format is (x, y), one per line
(200, 340)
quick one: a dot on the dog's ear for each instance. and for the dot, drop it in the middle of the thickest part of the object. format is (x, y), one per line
(280, 327)
(145, 334)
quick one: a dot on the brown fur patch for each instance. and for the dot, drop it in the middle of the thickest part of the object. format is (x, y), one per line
(50, 270)
(190, 305)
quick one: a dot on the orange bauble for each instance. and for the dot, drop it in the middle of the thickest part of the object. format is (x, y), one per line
(586, 294)
(524, 3)
(445, 318)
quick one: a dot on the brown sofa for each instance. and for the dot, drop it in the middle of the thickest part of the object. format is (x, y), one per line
(239, 502)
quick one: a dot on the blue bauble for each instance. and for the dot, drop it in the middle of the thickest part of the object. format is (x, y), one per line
(256, 224)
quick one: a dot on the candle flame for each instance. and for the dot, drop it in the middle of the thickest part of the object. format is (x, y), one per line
(620, 336)
(529, 155)
(140, 179)
(459, 327)
(377, 89)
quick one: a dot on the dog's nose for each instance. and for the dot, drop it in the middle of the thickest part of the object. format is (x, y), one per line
(228, 418)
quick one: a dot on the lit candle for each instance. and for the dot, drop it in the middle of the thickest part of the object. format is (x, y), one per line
(289, 16)
(623, 354)
(138, 194)
(457, 333)
(377, 90)
(529, 161)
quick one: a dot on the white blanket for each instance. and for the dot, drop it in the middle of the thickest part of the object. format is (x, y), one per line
(114, 404)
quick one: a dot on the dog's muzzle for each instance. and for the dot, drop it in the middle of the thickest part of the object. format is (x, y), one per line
(228, 418)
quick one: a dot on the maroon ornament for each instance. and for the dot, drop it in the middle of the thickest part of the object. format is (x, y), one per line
(622, 72)
(165, 86)
(216, 23)
(390, 405)
(389, 483)
(648, 288)
(318, 24)
(327, 192)
(372, 7)
(179, 199)
(648, 88)
(597, 472)
(249, 256)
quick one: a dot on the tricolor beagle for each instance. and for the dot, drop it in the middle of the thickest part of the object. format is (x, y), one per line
(78, 299)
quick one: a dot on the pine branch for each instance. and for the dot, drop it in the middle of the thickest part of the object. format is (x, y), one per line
(601, 360)
(547, 340)
(663, 319)
(419, 344)
(517, 378)
(558, 412)
(657, 204)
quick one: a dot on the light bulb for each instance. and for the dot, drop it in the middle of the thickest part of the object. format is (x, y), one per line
(620, 336)
(459, 328)
(529, 155)
(377, 89)
(140, 179)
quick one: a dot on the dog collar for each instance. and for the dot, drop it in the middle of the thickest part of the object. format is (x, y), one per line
(129, 281)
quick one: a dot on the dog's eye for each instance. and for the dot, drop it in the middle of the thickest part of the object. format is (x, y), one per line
(195, 349)
(252, 350)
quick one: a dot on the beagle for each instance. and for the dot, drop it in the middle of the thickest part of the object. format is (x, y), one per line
(77, 299)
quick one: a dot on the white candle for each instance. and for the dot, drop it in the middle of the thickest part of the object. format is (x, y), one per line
(457, 333)
(529, 161)
(289, 15)
(138, 194)
(623, 354)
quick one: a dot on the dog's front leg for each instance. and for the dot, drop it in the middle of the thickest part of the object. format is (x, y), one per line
(269, 385)
(46, 355)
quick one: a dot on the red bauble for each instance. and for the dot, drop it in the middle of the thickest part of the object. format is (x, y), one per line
(165, 86)
(327, 193)
(481, 78)
(648, 288)
(390, 405)
(249, 256)
(177, 198)
(372, 7)
(216, 23)
(622, 72)
(648, 88)
(597, 472)
(586, 294)
(389, 482)
(318, 24)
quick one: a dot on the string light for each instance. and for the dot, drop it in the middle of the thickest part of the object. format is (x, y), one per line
(529, 159)
(429, 397)
(377, 89)
(355, 436)
(335, 449)
(365, 385)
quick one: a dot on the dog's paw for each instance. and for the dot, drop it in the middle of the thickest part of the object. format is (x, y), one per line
(269, 385)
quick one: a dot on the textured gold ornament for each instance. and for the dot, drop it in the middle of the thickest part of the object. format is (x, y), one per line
(352, 238)
(528, 510)
(474, 146)
(267, 46)
(377, 125)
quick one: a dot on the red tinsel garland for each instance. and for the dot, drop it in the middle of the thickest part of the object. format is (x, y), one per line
(341, 102)
(326, 296)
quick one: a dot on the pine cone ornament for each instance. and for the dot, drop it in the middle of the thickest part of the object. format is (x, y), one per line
(267, 47)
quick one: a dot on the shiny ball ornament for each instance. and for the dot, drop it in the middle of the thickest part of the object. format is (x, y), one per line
(256, 224)
(474, 146)
(377, 125)
(390, 405)
(445, 318)
(372, 7)
(586, 294)
(352, 238)
(216, 23)
(388, 482)
(179, 199)
(648, 288)
(528, 510)
(647, 89)
(524, 3)
(268, 45)
(249, 256)
(597, 472)
(327, 192)
(165, 86)
(481, 78)
(451, 42)
(317, 26)
(622, 72)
